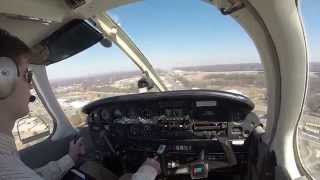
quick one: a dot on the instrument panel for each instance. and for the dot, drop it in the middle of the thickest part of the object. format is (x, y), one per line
(172, 115)
(198, 110)
(187, 122)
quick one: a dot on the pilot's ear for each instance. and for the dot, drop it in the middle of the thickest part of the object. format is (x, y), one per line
(22, 63)
(8, 76)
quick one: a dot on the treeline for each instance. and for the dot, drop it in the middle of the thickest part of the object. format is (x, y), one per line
(314, 67)
(224, 80)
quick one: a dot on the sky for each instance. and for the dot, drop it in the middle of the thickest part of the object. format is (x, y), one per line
(186, 33)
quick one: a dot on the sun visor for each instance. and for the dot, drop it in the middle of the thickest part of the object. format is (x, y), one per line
(70, 39)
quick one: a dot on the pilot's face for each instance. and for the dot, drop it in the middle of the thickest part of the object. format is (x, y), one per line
(21, 93)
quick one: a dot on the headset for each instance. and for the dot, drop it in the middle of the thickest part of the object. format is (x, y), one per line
(8, 76)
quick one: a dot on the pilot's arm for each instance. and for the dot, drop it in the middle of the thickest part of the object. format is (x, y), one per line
(55, 170)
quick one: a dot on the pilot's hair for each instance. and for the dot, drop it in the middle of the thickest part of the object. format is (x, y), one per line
(12, 47)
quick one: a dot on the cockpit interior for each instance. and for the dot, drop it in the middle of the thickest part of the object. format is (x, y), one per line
(193, 134)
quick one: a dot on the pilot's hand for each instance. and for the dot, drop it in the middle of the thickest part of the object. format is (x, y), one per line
(76, 149)
(223, 140)
(153, 163)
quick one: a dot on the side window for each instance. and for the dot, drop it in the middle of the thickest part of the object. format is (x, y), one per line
(308, 132)
(33, 128)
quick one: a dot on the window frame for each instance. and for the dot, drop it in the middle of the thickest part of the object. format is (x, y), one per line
(45, 107)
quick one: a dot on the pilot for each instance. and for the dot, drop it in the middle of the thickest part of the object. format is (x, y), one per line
(15, 85)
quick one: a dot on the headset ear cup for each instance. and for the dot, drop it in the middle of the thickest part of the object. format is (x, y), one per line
(8, 76)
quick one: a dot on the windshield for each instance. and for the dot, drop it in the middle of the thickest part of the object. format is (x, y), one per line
(193, 46)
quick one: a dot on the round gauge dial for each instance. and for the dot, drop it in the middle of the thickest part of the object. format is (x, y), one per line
(105, 115)
(147, 131)
(117, 113)
(132, 114)
(96, 116)
(147, 128)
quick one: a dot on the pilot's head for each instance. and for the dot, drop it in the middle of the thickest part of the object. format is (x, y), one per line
(14, 89)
